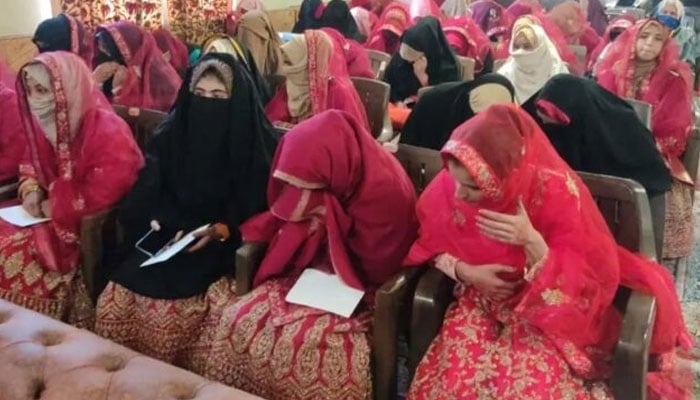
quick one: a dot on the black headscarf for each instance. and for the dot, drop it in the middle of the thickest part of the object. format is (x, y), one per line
(442, 109)
(425, 36)
(53, 34)
(604, 135)
(307, 16)
(208, 163)
(337, 16)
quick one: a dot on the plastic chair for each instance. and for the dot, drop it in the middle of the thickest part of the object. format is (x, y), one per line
(380, 61)
(468, 64)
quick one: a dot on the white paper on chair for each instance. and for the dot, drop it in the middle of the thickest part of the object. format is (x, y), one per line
(168, 253)
(18, 216)
(324, 291)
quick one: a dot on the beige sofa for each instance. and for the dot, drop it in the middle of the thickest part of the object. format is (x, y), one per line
(41, 358)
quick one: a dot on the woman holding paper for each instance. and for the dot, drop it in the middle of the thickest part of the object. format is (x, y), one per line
(341, 204)
(208, 164)
(81, 159)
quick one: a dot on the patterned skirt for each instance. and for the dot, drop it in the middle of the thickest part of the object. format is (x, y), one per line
(282, 351)
(174, 331)
(475, 356)
(27, 283)
(678, 229)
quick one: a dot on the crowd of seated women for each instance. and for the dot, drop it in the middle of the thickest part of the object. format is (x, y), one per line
(507, 218)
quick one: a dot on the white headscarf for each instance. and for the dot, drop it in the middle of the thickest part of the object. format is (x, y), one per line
(43, 110)
(455, 8)
(529, 70)
(295, 68)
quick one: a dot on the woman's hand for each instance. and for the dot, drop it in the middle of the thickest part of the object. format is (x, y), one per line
(420, 67)
(46, 208)
(105, 71)
(205, 236)
(512, 229)
(486, 280)
(32, 203)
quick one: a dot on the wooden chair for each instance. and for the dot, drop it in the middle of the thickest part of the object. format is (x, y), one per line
(624, 205)
(691, 157)
(497, 64)
(468, 65)
(393, 299)
(375, 97)
(143, 122)
(643, 110)
(380, 61)
(581, 53)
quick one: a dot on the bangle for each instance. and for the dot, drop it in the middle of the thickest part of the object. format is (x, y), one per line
(221, 231)
(31, 187)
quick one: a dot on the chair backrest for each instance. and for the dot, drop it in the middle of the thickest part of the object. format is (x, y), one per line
(691, 157)
(143, 122)
(422, 91)
(581, 53)
(375, 97)
(497, 64)
(468, 66)
(380, 61)
(421, 164)
(638, 13)
(643, 110)
(625, 207)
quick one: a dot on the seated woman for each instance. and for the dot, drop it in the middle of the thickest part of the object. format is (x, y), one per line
(339, 203)
(596, 131)
(337, 16)
(672, 13)
(12, 138)
(357, 61)
(174, 50)
(537, 270)
(494, 22)
(222, 43)
(616, 27)
(533, 60)
(387, 32)
(256, 33)
(316, 80)
(365, 21)
(424, 59)
(82, 158)
(467, 40)
(571, 20)
(208, 164)
(310, 12)
(65, 33)
(521, 8)
(446, 106)
(643, 64)
(131, 69)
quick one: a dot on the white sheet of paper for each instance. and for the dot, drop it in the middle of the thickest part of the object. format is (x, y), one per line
(324, 291)
(18, 216)
(174, 248)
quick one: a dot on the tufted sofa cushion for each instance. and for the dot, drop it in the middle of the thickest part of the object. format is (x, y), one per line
(41, 358)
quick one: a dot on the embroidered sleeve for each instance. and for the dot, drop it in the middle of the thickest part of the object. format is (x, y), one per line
(447, 263)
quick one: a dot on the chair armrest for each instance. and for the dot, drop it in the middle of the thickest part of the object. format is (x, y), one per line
(92, 236)
(391, 316)
(248, 258)
(432, 297)
(631, 358)
(8, 189)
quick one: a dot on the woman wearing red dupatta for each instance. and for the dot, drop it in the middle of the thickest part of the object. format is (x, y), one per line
(537, 271)
(571, 20)
(81, 159)
(643, 64)
(524, 7)
(64, 33)
(12, 140)
(467, 40)
(339, 203)
(317, 80)
(616, 27)
(174, 50)
(7, 76)
(387, 32)
(131, 68)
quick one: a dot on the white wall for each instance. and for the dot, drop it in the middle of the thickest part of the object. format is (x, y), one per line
(20, 17)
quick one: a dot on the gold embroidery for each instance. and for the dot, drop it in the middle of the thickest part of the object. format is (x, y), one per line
(32, 273)
(554, 297)
(13, 265)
